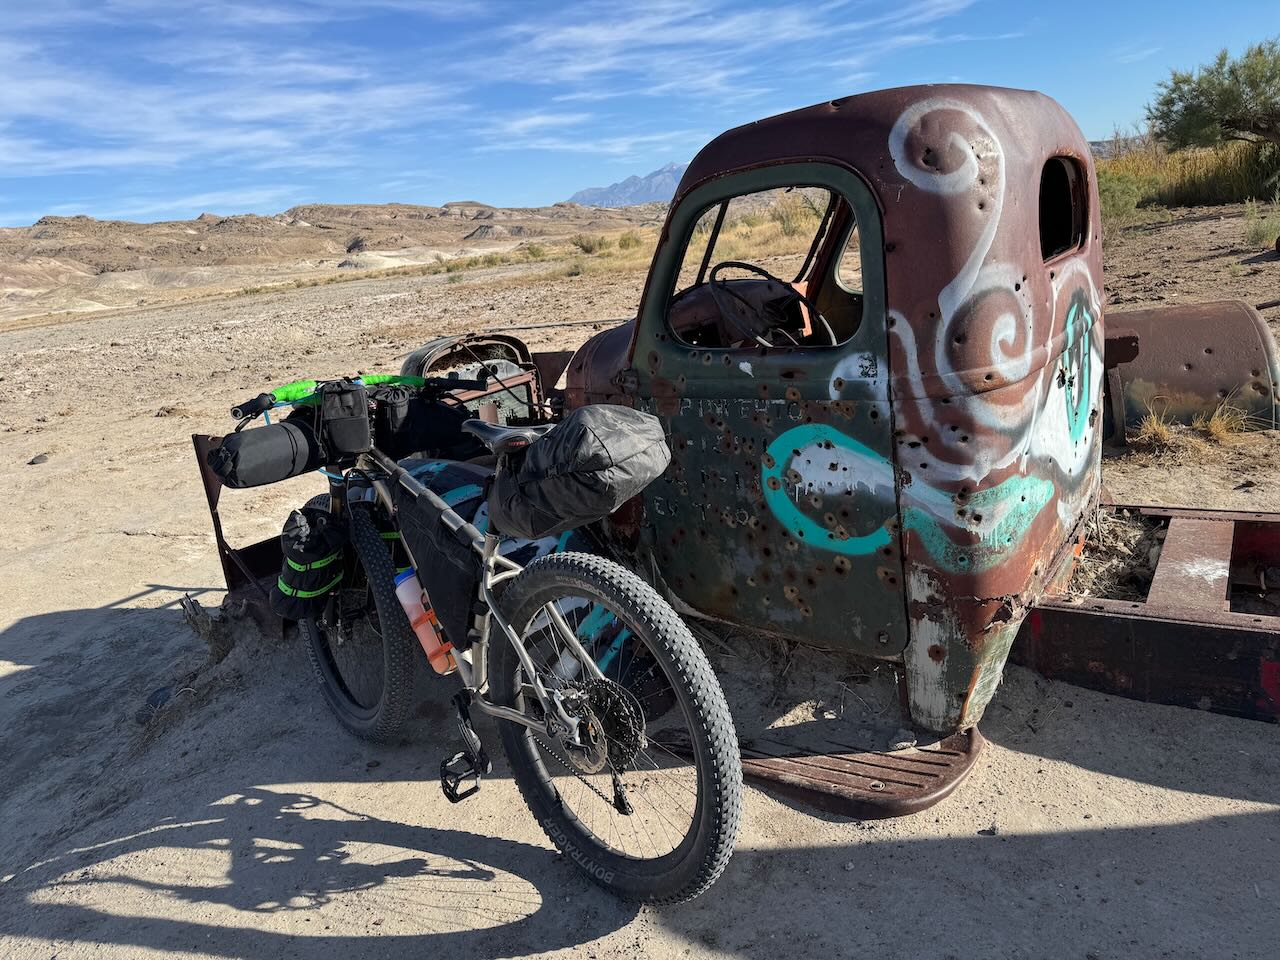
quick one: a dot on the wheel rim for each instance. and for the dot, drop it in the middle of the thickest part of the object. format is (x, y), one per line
(351, 646)
(661, 784)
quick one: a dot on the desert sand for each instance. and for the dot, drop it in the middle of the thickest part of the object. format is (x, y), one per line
(243, 822)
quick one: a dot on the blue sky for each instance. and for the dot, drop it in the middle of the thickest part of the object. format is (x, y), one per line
(149, 110)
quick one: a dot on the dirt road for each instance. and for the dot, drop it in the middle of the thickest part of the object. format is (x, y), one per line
(243, 823)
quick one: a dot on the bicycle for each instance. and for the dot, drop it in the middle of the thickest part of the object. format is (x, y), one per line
(614, 725)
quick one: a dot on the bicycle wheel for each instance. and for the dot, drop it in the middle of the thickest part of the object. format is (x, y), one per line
(647, 802)
(362, 648)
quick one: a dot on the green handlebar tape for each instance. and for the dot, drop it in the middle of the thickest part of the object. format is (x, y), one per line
(302, 390)
(293, 392)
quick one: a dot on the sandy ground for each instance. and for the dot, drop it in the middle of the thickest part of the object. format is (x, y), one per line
(243, 823)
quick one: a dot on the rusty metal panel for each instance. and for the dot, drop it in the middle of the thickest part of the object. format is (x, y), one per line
(994, 383)
(1187, 643)
(249, 570)
(1194, 572)
(1230, 665)
(1193, 358)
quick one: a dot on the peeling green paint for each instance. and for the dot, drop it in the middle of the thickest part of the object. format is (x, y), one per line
(1012, 505)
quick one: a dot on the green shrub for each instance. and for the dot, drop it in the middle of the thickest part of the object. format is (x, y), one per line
(629, 240)
(1118, 196)
(792, 215)
(535, 251)
(590, 242)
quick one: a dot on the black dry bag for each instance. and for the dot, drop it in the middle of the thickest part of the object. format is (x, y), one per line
(251, 458)
(592, 462)
(312, 543)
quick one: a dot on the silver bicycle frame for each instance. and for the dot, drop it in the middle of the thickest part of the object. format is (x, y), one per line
(473, 663)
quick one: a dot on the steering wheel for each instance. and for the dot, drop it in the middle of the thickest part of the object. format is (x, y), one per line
(719, 288)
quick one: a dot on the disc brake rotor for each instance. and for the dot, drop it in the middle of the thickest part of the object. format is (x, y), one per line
(613, 726)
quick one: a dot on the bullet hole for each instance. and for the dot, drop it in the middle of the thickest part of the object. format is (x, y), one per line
(890, 247)
(875, 414)
(838, 383)
(842, 564)
(937, 652)
(960, 338)
(1017, 286)
(1208, 349)
(1186, 366)
(773, 483)
(981, 205)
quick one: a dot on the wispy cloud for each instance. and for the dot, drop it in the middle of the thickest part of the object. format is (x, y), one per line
(211, 95)
(1132, 53)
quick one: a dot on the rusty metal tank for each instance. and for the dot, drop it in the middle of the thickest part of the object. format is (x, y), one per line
(908, 493)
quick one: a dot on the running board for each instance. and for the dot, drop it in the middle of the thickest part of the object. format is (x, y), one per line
(864, 785)
(846, 781)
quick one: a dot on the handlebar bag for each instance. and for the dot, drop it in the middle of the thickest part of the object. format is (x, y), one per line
(592, 462)
(344, 416)
(406, 424)
(312, 542)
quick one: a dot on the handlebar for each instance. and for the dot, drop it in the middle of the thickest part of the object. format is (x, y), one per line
(251, 408)
(305, 391)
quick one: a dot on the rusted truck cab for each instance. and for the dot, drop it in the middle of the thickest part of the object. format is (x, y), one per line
(890, 452)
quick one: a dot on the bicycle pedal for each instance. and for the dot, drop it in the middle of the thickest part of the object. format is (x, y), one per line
(454, 771)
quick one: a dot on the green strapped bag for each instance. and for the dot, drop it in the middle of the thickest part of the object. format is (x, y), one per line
(313, 541)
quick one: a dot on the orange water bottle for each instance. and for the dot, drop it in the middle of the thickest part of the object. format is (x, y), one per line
(423, 620)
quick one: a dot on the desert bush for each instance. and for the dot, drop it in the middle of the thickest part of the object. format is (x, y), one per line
(792, 215)
(535, 251)
(590, 242)
(629, 240)
(1261, 228)
(1119, 195)
(453, 278)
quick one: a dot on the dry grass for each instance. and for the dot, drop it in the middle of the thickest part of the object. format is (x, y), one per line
(1119, 556)
(1262, 227)
(1227, 420)
(1231, 173)
(1167, 441)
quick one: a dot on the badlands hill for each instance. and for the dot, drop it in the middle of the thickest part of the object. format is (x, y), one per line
(62, 264)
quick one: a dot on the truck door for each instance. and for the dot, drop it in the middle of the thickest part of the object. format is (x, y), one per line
(762, 346)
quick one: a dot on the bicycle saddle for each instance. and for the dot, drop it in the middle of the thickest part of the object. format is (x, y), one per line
(502, 440)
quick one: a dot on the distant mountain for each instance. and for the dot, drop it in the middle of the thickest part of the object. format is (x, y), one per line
(659, 186)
